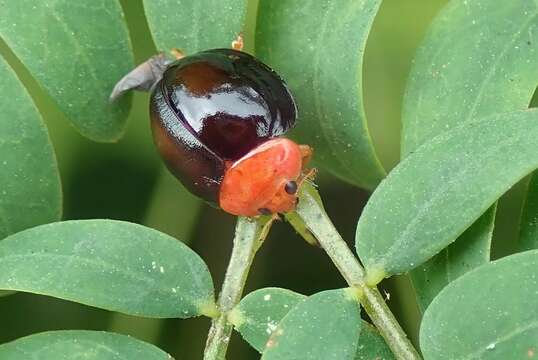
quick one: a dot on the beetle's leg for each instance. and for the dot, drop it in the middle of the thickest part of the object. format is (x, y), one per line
(143, 77)
(177, 53)
(238, 43)
(306, 153)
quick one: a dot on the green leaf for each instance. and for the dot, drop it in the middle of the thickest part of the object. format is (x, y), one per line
(113, 265)
(478, 58)
(433, 195)
(321, 58)
(195, 25)
(259, 313)
(371, 345)
(324, 326)
(77, 51)
(469, 251)
(528, 231)
(30, 190)
(79, 344)
(489, 313)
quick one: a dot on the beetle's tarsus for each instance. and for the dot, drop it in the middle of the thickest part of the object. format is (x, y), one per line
(238, 43)
(143, 77)
(276, 217)
(177, 53)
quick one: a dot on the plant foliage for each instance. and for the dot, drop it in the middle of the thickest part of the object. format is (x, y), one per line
(468, 136)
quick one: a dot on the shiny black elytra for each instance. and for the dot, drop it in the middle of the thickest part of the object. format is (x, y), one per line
(213, 107)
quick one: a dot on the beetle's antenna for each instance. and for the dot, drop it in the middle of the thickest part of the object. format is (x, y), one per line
(142, 78)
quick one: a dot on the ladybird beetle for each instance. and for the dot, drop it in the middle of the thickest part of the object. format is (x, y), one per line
(217, 118)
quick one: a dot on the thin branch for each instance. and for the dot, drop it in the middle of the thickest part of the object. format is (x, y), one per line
(249, 235)
(311, 211)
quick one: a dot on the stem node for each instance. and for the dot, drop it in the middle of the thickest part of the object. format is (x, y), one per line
(374, 276)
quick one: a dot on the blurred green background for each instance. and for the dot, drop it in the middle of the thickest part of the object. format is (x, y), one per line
(127, 181)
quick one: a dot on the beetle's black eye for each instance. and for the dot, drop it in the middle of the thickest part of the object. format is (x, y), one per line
(264, 211)
(291, 187)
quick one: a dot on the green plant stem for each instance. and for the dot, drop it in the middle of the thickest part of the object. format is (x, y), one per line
(249, 235)
(311, 211)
